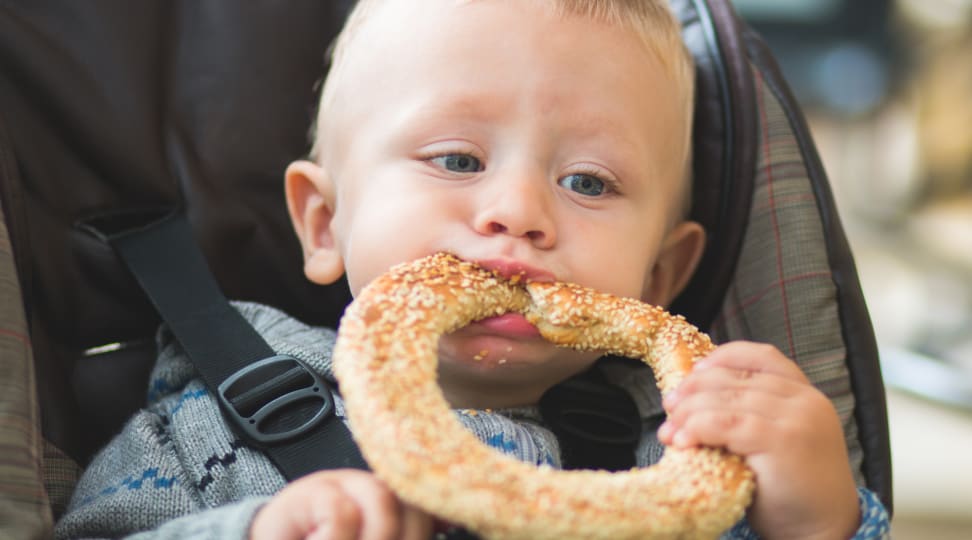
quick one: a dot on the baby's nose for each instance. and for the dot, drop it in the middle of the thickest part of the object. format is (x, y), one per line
(521, 209)
(532, 234)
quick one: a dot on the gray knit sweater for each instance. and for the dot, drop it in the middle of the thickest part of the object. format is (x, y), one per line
(178, 471)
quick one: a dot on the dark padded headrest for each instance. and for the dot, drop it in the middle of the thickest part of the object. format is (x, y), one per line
(724, 157)
(159, 103)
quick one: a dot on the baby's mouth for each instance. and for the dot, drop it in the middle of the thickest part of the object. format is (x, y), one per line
(510, 324)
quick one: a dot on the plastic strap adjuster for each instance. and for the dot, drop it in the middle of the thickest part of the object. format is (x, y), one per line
(276, 399)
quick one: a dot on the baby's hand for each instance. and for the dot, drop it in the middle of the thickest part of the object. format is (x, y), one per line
(343, 504)
(756, 402)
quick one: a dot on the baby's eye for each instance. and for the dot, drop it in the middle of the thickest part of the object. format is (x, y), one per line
(461, 163)
(584, 184)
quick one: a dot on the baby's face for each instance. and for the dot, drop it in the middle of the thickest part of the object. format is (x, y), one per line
(502, 132)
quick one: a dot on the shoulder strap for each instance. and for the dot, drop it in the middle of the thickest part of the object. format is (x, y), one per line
(274, 402)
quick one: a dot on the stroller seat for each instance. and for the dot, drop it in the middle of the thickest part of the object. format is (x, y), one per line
(174, 103)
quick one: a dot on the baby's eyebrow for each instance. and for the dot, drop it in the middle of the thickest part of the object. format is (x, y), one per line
(475, 106)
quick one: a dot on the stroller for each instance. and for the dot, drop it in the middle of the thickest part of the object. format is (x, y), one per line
(200, 105)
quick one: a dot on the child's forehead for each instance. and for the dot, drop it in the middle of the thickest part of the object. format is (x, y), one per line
(394, 30)
(461, 51)
(400, 25)
(402, 14)
(399, 41)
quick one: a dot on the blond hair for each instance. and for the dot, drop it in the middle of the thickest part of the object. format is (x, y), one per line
(652, 20)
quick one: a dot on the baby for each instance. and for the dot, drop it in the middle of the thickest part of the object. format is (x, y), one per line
(548, 139)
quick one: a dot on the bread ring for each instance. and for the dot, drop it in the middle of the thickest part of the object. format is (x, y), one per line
(386, 361)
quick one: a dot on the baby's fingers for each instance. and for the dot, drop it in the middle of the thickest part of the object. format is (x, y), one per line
(312, 507)
(753, 358)
(731, 385)
(738, 422)
(339, 505)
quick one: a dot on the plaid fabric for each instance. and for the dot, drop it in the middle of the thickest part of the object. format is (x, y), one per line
(24, 511)
(782, 292)
(61, 474)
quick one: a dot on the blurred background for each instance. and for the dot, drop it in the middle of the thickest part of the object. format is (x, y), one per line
(887, 89)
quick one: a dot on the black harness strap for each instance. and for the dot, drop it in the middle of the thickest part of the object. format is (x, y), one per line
(274, 402)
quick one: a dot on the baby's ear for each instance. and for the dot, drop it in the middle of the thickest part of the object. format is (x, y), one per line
(310, 201)
(676, 262)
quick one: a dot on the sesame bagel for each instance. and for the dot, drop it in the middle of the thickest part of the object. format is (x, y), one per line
(386, 363)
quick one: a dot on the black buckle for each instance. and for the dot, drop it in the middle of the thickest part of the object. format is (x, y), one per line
(276, 399)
